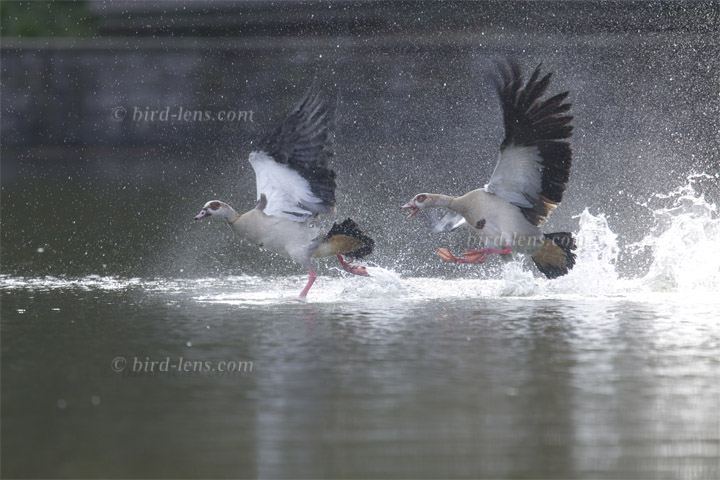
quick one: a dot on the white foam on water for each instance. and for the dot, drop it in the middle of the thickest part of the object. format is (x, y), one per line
(595, 271)
(90, 282)
(686, 245)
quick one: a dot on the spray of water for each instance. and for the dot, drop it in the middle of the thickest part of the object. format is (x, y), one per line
(595, 271)
(683, 247)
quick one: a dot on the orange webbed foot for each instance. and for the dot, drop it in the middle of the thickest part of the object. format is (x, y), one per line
(350, 268)
(445, 254)
(475, 256)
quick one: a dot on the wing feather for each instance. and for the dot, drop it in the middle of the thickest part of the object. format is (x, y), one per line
(288, 193)
(438, 223)
(535, 158)
(291, 167)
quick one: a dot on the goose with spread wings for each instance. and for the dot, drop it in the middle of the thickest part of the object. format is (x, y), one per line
(527, 184)
(294, 185)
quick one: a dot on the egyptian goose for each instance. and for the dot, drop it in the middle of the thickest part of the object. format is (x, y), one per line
(294, 185)
(527, 184)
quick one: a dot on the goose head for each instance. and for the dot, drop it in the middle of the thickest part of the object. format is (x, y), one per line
(216, 208)
(419, 202)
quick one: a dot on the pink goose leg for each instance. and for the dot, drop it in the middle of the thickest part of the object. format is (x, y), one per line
(350, 268)
(311, 280)
(505, 251)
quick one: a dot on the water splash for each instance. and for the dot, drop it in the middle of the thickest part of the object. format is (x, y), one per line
(595, 271)
(685, 245)
(684, 248)
(518, 281)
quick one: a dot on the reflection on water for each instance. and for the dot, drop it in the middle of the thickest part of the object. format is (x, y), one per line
(433, 378)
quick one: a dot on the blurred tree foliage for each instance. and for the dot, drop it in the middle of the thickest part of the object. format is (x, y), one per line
(45, 19)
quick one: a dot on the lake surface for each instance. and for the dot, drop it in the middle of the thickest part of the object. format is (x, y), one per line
(485, 371)
(376, 377)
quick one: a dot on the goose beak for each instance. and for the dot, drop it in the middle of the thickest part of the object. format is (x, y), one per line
(202, 214)
(410, 206)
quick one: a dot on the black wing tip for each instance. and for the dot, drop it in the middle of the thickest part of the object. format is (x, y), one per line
(349, 227)
(313, 97)
(524, 112)
(304, 142)
(312, 121)
(545, 123)
(566, 242)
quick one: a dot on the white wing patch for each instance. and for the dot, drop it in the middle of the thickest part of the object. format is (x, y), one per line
(449, 222)
(517, 175)
(288, 193)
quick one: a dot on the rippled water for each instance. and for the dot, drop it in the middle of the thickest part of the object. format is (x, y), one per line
(592, 375)
(452, 383)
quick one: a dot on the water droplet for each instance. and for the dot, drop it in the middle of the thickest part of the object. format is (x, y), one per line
(95, 400)
(188, 343)
(40, 250)
(61, 403)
